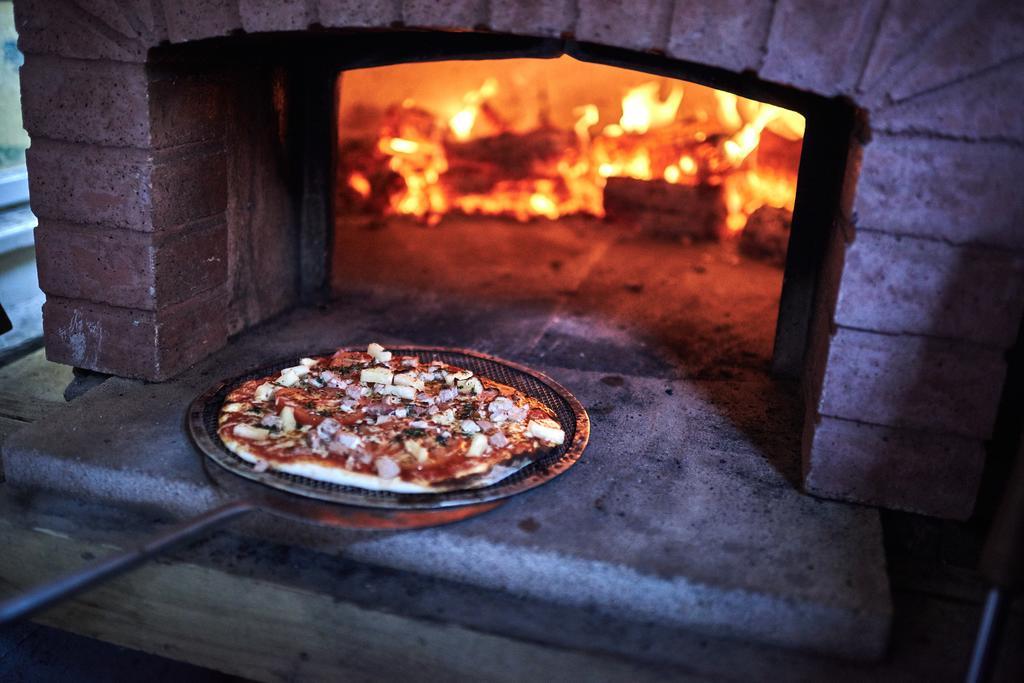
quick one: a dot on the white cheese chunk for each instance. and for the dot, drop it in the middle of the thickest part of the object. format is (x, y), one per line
(287, 378)
(546, 430)
(297, 370)
(469, 427)
(445, 418)
(408, 393)
(233, 407)
(477, 446)
(307, 362)
(264, 392)
(408, 379)
(378, 353)
(469, 386)
(247, 431)
(416, 450)
(287, 419)
(376, 376)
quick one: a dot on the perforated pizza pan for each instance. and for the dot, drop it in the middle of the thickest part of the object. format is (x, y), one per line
(204, 411)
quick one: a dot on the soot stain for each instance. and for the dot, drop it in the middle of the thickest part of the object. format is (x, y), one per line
(529, 525)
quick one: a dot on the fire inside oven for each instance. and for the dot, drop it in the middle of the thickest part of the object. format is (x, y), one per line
(530, 180)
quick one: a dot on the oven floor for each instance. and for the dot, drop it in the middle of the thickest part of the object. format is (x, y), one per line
(683, 511)
(578, 293)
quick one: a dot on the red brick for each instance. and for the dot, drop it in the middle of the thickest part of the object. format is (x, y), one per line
(912, 382)
(464, 14)
(729, 33)
(126, 188)
(275, 15)
(533, 17)
(961, 192)
(93, 101)
(90, 184)
(188, 185)
(130, 269)
(151, 345)
(198, 19)
(908, 285)
(341, 13)
(184, 109)
(931, 474)
(641, 25)
(87, 29)
(819, 50)
(116, 104)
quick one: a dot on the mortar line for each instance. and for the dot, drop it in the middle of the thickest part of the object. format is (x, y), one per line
(883, 11)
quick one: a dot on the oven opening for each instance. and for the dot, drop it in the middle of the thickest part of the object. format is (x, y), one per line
(600, 216)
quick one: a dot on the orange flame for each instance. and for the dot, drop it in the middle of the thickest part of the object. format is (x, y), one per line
(652, 139)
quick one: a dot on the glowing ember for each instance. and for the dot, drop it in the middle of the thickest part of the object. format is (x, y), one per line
(358, 182)
(485, 152)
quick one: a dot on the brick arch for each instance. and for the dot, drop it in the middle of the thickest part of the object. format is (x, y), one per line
(926, 270)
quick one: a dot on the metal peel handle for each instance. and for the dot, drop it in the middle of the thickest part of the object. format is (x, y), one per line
(41, 597)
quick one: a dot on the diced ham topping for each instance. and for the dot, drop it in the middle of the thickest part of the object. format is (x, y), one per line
(446, 395)
(502, 409)
(334, 381)
(271, 421)
(326, 429)
(347, 440)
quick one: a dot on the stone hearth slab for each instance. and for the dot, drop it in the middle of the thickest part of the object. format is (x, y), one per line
(681, 512)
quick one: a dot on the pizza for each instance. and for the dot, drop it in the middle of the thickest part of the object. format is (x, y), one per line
(383, 422)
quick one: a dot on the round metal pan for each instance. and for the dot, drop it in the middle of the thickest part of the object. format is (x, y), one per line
(204, 411)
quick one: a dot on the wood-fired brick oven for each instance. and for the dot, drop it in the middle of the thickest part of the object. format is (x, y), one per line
(182, 184)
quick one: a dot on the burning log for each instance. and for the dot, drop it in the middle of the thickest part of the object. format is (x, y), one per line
(477, 166)
(766, 235)
(664, 209)
(366, 182)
